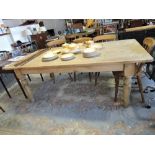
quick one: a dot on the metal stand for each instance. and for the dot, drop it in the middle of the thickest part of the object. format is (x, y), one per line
(2, 109)
(20, 86)
(5, 87)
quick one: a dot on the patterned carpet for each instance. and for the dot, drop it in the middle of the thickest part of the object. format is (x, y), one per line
(80, 107)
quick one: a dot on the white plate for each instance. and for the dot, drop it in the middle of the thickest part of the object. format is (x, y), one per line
(97, 47)
(76, 51)
(56, 51)
(91, 55)
(90, 52)
(16, 58)
(66, 51)
(67, 57)
(49, 56)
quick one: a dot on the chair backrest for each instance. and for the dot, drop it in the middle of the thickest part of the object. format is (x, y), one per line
(82, 40)
(106, 37)
(70, 37)
(55, 43)
(148, 43)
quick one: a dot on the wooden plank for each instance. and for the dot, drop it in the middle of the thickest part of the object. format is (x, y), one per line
(140, 28)
(124, 51)
(27, 58)
(90, 68)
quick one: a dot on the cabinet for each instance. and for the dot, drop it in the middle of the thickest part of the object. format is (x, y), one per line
(40, 40)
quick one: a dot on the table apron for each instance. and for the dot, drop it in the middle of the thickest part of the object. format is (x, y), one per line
(93, 68)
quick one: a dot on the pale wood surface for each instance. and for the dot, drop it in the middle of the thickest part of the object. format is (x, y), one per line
(124, 51)
(140, 28)
(115, 56)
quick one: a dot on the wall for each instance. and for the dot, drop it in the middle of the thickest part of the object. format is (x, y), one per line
(17, 33)
(13, 22)
(56, 24)
(5, 43)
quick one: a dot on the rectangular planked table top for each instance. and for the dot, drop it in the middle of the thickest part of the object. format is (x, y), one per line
(121, 51)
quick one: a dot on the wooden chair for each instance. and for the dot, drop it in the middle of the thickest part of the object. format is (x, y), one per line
(82, 40)
(55, 43)
(70, 37)
(103, 38)
(106, 37)
(148, 44)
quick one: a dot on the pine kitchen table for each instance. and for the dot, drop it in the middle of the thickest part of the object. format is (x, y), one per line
(121, 55)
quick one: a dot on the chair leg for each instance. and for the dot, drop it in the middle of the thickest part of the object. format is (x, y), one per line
(90, 76)
(95, 78)
(140, 88)
(53, 77)
(70, 76)
(20, 85)
(2, 109)
(5, 87)
(97, 74)
(41, 77)
(29, 77)
(116, 87)
(74, 76)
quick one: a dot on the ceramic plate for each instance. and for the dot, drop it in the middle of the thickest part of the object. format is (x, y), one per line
(49, 56)
(67, 57)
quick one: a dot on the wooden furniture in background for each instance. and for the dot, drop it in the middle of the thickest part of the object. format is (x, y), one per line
(138, 33)
(140, 28)
(116, 56)
(106, 37)
(55, 43)
(70, 37)
(82, 40)
(40, 40)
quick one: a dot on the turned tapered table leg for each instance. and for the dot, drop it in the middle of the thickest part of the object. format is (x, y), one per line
(129, 70)
(126, 90)
(23, 80)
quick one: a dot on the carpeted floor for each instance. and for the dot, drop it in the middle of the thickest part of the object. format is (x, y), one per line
(79, 107)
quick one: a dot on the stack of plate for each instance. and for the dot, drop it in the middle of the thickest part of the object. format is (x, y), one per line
(97, 46)
(49, 56)
(90, 52)
(72, 46)
(66, 51)
(66, 57)
(56, 51)
(65, 45)
(76, 51)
